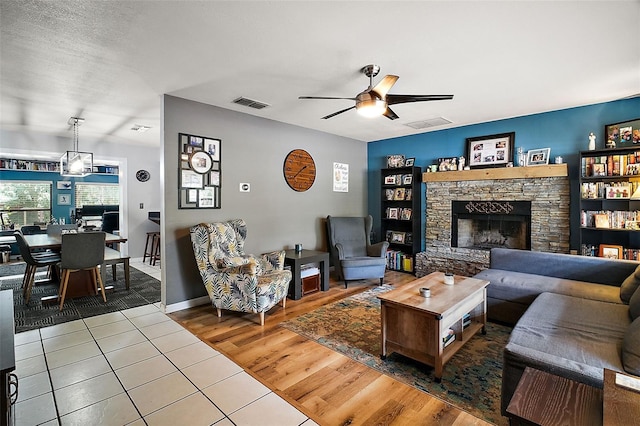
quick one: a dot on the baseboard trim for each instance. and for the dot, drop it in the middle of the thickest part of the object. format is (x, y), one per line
(174, 307)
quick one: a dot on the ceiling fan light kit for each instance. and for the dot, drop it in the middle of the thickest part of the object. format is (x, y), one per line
(370, 106)
(375, 100)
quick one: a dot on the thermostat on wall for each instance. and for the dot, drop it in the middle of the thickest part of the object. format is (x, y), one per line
(245, 187)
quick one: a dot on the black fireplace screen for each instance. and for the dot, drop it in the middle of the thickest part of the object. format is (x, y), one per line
(484, 225)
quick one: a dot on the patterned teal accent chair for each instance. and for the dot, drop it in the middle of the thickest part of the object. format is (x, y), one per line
(353, 255)
(234, 280)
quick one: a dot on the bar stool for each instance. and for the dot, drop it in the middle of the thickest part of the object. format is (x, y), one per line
(150, 250)
(156, 252)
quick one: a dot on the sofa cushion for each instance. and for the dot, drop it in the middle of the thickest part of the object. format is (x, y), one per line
(569, 336)
(524, 288)
(631, 348)
(629, 285)
(634, 305)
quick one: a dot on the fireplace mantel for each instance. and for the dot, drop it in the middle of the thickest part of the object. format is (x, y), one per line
(550, 170)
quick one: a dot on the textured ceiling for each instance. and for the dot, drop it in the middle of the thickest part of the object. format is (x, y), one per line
(111, 61)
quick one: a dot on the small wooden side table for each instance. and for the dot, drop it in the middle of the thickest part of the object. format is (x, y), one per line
(296, 260)
(545, 399)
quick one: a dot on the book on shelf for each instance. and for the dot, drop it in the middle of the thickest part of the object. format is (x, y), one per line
(608, 219)
(399, 261)
(309, 271)
(611, 165)
(466, 320)
(448, 338)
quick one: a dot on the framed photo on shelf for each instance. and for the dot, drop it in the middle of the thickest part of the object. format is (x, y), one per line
(405, 214)
(394, 161)
(392, 213)
(610, 251)
(598, 169)
(390, 180)
(490, 151)
(389, 193)
(409, 162)
(538, 157)
(407, 194)
(601, 220)
(397, 237)
(622, 134)
(621, 192)
(407, 179)
(399, 194)
(632, 225)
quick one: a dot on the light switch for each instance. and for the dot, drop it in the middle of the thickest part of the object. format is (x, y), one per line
(141, 206)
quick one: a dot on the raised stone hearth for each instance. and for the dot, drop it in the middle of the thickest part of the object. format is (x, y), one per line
(546, 187)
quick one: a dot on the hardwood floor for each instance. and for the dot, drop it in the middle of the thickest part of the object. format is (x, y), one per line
(328, 387)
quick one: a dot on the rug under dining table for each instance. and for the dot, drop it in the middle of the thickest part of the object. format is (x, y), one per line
(143, 290)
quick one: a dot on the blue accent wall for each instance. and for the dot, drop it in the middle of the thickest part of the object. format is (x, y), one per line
(58, 211)
(564, 131)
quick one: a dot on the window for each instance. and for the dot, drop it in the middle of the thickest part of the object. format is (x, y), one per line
(97, 194)
(25, 203)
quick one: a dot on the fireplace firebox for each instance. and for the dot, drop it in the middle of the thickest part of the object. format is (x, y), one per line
(483, 225)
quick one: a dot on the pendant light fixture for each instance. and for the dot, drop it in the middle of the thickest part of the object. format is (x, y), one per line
(76, 163)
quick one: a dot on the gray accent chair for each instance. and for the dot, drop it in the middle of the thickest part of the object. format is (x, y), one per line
(353, 255)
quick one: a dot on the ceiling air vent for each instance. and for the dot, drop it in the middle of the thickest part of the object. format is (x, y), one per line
(432, 122)
(250, 103)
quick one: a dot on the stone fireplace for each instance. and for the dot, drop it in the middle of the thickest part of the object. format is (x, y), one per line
(469, 212)
(482, 225)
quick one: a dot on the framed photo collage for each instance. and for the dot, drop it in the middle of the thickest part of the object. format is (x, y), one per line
(199, 172)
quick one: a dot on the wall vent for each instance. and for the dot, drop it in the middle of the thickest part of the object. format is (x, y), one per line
(432, 122)
(251, 103)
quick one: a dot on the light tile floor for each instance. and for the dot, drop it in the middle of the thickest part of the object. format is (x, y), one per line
(137, 367)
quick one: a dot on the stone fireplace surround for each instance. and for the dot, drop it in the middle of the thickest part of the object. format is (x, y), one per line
(547, 187)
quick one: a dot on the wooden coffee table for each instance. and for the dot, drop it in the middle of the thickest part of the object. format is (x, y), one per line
(414, 326)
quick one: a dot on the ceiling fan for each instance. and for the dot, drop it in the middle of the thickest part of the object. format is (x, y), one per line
(375, 100)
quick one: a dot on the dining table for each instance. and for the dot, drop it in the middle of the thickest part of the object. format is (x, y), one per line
(80, 283)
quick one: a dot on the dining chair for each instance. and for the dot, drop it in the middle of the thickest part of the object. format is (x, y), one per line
(30, 229)
(81, 252)
(56, 230)
(33, 261)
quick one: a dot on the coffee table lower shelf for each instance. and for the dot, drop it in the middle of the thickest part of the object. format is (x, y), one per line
(414, 327)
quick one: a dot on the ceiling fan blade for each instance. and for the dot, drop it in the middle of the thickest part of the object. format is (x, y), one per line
(383, 86)
(401, 99)
(390, 114)
(339, 112)
(323, 97)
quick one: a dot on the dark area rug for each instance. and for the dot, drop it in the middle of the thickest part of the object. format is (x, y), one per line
(471, 380)
(143, 290)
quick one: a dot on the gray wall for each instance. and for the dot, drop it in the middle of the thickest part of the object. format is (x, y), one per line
(131, 158)
(253, 151)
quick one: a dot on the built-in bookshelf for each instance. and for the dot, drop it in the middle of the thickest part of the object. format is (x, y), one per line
(610, 203)
(49, 166)
(401, 218)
